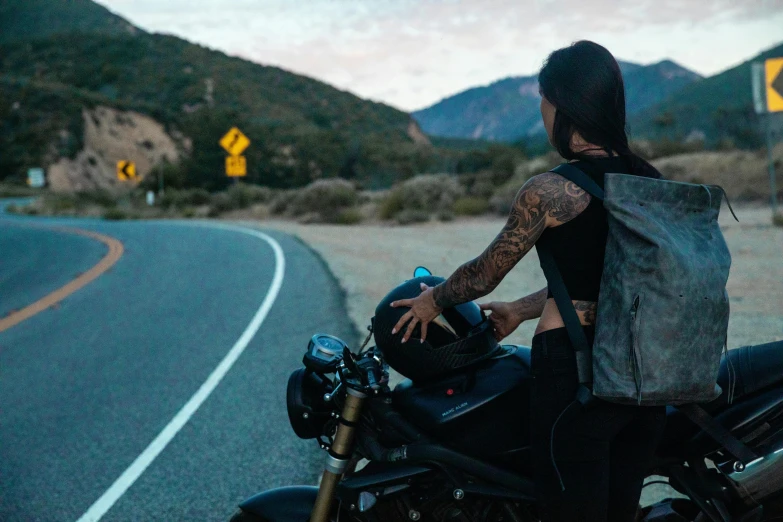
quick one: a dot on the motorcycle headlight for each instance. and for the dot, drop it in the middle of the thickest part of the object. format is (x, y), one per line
(307, 411)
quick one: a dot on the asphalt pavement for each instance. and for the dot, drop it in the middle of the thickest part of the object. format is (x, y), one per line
(87, 385)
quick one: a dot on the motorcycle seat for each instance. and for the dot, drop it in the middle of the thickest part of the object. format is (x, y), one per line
(747, 370)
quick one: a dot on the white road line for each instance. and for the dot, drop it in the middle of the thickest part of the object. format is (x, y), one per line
(134, 471)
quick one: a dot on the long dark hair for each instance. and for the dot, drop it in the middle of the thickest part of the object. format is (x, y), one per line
(584, 83)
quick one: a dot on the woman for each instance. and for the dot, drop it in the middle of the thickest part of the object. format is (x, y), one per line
(588, 464)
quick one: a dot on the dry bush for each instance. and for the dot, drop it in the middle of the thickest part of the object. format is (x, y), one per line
(325, 200)
(503, 197)
(423, 194)
(410, 216)
(174, 198)
(243, 195)
(470, 206)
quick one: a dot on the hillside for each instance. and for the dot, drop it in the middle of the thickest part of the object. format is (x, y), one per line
(301, 128)
(719, 107)
(31, 19)
(508, 109)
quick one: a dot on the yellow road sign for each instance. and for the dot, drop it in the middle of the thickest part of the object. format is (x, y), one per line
(773, 78)
(126, 170)
(236, 166)
(234, 142)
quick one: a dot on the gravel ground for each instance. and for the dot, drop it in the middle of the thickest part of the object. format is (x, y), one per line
(369, 260)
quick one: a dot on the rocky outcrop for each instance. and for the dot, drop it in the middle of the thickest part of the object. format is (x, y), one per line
(110, 136)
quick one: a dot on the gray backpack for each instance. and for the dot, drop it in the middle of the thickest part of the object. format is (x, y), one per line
(663, 310)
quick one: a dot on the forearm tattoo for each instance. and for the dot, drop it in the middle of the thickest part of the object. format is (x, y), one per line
(589, 308)
(545, 200)
(531, 306)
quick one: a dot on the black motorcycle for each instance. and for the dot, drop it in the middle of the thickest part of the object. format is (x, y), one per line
(457, 449)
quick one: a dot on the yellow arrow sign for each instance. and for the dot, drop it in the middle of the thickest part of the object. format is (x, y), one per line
(773, 78)
(234, 142)
(126, 170)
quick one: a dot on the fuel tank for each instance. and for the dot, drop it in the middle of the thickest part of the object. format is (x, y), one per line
(482, 411)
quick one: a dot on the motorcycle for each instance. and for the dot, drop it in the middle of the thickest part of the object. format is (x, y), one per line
(457, 449)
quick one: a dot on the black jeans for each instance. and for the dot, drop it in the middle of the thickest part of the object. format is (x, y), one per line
(599, 455)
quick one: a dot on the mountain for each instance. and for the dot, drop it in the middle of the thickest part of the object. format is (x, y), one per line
(58, 59)
(31, 19)
(508, 109)
(718, 108)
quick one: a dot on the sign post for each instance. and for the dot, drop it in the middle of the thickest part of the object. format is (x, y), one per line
(767, 100)
(235, 143)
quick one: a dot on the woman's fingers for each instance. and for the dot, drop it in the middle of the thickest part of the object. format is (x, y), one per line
(401, 323)
(411, 326)
(402, 302)
(487, 306)
(423, 331)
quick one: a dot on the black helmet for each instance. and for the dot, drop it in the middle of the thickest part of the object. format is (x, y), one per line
(461, 336)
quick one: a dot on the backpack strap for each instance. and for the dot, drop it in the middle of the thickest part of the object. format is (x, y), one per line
(584, 362)
(715, 429)
(575, 175)
(576, 334)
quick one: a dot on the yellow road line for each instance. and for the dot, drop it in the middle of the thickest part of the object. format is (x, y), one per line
(115, 252)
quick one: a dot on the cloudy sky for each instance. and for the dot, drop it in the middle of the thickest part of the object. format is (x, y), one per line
(412, 53)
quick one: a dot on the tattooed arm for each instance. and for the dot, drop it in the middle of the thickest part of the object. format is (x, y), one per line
(544, 201)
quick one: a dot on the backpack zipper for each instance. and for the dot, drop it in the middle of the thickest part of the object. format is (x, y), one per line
(634, 349)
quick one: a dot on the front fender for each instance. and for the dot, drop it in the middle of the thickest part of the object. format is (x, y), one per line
(288, 504)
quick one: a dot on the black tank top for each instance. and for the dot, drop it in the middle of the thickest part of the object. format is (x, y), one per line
(578, 246)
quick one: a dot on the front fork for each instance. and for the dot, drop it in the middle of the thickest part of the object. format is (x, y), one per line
(339, 455)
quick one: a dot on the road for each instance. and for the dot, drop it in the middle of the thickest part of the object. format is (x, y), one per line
(88, 383)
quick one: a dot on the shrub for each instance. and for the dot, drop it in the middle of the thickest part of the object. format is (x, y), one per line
(281, 201)
(409, 216)
(220, 202)
(503, 198)
(60, 202)
(325, 197)
(115, 214)
(99, 197)
(189, 212)
(777, 219)
(446, 215)
(425, 194)
(184, 197)
(392, 205)
(349, 216)
(243, 195)
(16, 191)
(470, 206)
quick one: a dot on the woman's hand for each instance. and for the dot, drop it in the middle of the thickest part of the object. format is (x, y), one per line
(504, 318)
(422, 310)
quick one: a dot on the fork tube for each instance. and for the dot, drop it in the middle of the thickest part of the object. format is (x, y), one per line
(339, 455)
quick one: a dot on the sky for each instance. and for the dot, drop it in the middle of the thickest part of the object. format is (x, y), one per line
(412, 53)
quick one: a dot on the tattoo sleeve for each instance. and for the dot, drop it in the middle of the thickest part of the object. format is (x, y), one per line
(545, 200)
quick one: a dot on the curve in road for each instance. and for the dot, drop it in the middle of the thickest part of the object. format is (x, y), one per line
(87, 385)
